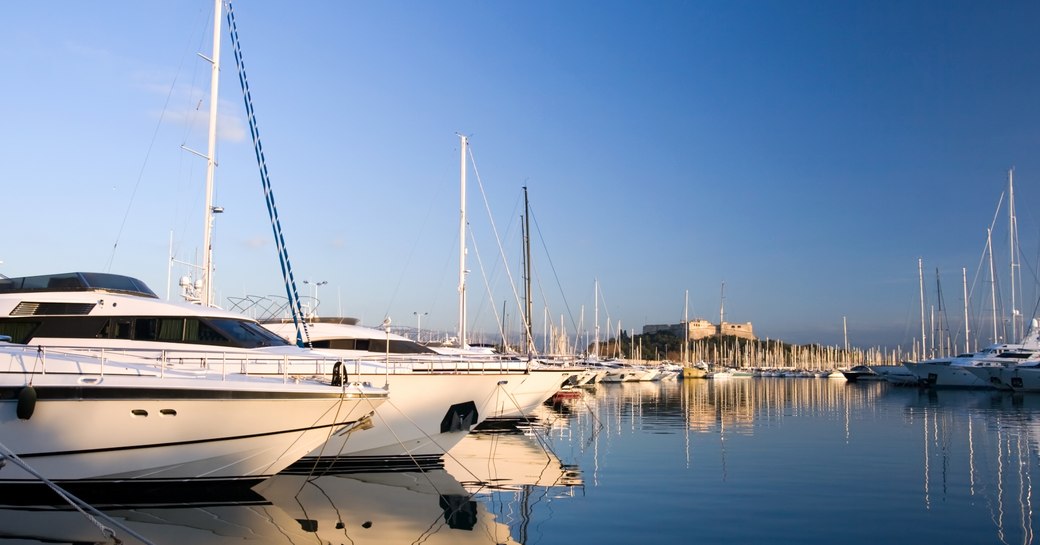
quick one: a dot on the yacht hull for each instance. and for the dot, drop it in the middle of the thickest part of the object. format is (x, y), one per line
(120, 423)
(428, 413)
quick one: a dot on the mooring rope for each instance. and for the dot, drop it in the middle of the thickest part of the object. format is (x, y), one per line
(83, 507)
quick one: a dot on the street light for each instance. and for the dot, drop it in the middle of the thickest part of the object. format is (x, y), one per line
(418, 325)
(315, 291)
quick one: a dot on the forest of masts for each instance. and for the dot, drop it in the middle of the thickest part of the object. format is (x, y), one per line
(738, 352)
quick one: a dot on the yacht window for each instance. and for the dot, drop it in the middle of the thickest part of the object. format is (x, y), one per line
(199, 332)
(145, 329)
(376, 345)
(19, 331)
(122, 330)
(171, 329)
(399, 346)
(247, 334)
(339, 344)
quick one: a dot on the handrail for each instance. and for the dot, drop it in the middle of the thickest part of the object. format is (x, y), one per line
(312, 363)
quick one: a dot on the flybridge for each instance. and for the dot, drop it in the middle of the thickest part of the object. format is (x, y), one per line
(77, 281)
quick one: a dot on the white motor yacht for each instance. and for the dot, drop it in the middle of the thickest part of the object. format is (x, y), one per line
(436, 398)
(117, 319)
(95, 420)
(957, 372)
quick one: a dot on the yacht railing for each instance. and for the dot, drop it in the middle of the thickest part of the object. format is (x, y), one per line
(288, 367)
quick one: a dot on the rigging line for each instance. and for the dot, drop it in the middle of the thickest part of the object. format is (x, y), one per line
(335, 417)
(144, 165)
(552, 266)
(495, 397)
(408, 451)
(494, 229)
(333, 431)
(408, 261)
(272, 210)
(494, 308)
(88, 511)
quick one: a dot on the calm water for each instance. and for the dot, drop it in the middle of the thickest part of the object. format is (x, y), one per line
(735, 461)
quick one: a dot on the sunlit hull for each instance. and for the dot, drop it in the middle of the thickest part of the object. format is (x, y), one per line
(106, 422)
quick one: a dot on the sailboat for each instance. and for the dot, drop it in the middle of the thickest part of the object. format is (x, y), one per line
(690, 370)
(991, 367)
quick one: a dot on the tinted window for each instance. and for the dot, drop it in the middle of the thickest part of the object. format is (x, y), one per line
(247, 334)
(20, 332)
(199, 332)
(146, 329)
(171, 329)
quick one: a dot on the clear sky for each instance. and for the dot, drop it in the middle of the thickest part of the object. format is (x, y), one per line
(807, 154)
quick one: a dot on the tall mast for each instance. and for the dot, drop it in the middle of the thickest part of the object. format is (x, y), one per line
(992, 282)
(920, 282)
(686, 328)
(964, 283)
(462, 246)
(722, 307)
(845, 331)
(527, 275)
(595, 315)
(211, 162)
(939, 312)
(1012, 242)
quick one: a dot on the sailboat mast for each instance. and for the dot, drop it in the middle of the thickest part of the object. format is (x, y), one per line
(964, 284)
(722, 307)
(527, 275)
(992, 282)
(920, 282)
(595, 315)
(686, 328)
(462, 245)
(1012, 242)
(845, 332)
(211, 161)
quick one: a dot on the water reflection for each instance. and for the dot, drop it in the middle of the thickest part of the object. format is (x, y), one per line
(982, 446)
(486, 495)
(394, 507)
(927, 466)
(260, 523)
(514, 472)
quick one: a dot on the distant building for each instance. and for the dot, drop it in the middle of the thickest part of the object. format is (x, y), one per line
(701, 329)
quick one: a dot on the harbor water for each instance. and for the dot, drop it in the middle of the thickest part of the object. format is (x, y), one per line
(741, 460)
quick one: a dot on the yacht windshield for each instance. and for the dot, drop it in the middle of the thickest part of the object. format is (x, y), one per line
(246, 334)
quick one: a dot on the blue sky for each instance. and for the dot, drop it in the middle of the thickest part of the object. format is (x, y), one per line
(804, 153)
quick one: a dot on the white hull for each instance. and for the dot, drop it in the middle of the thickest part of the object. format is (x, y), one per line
(520, 397)
(942, 374)
(1018, 379)
(1021, 379)
(129, 422)
(427, 414)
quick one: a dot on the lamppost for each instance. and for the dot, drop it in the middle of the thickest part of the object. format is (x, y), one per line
(418, 325)
(315, 291)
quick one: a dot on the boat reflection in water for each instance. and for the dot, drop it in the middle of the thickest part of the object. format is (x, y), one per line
(985, 442)
(239, 517)
(513, 470)
(391, 507)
